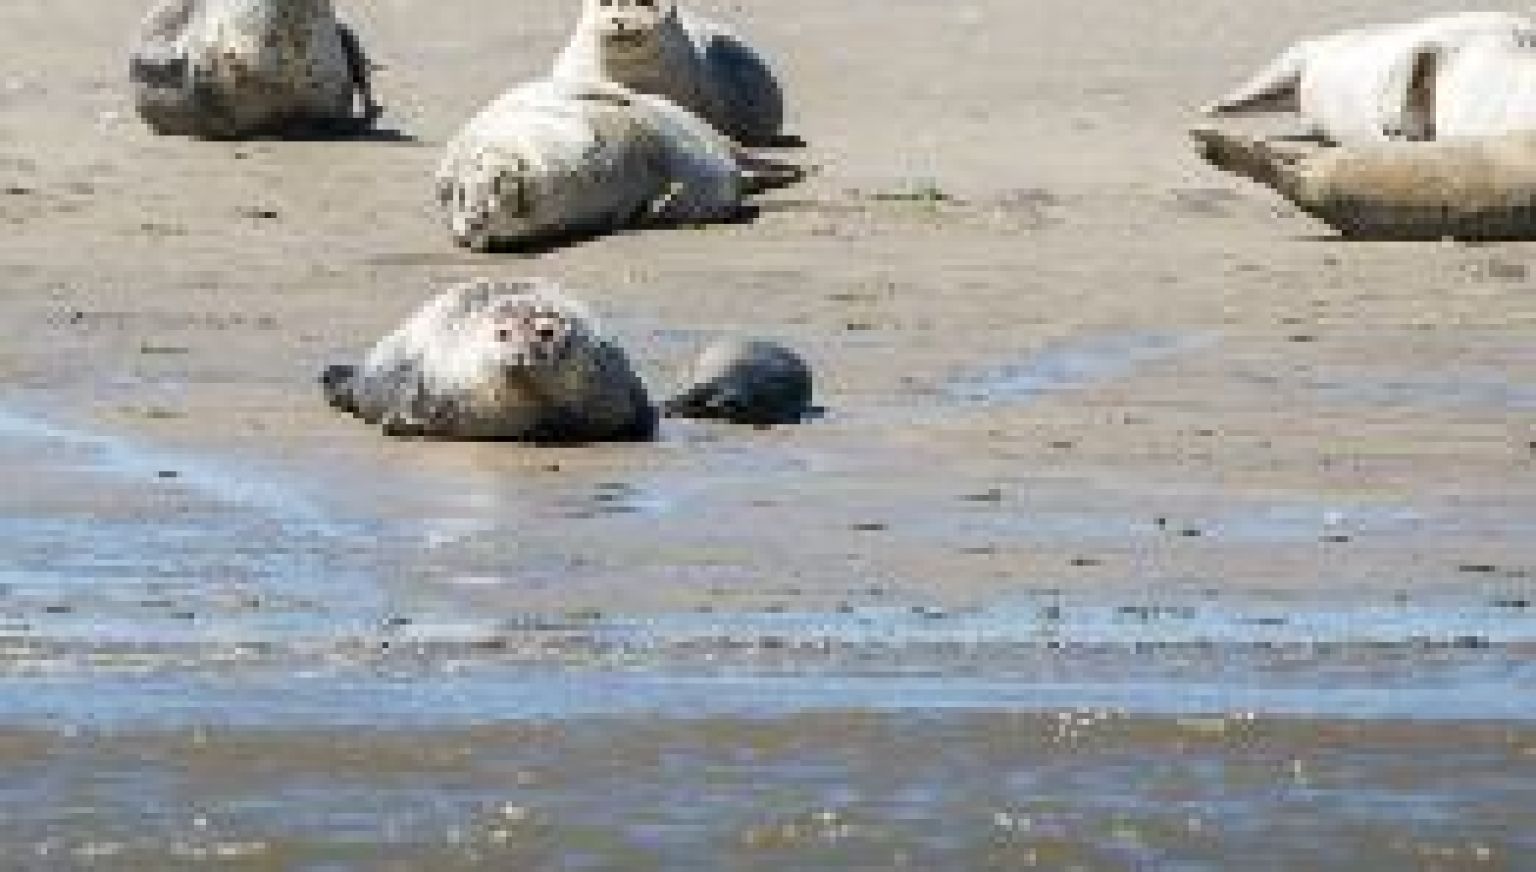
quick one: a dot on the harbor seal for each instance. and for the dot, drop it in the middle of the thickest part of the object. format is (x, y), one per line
(230, 69)
(1473, 188)
(1465, 74)
(552, 160)
(497, 361)
(751, 381)
(658, 47)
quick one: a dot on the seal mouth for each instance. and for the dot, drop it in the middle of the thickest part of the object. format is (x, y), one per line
(626, 39)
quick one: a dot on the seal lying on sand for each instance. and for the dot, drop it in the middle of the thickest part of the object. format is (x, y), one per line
(553, 160)
(1465, 188)
(1466, 74)
(746, 382)
(497, 361)
(226, 69)
(657, 47)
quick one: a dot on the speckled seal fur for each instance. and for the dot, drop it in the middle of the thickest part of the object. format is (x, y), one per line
(551, 160)
(230, 69)
(658, 47)
(497, 361)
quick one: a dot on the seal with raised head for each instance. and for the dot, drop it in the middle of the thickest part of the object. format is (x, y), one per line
(659, 47)
(552, 160)
(1464, 74)
(1474, 188)
(228, 69)
(746, 381)
(497, 361)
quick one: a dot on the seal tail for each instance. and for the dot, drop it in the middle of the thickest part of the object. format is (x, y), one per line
(339, 382)
(360, 69)
(1275, 88)
(1249, 157)
(760, 174)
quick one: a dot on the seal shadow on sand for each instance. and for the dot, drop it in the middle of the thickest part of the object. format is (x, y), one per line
(386, 135)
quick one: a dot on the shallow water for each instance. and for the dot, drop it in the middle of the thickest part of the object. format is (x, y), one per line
(221, 664)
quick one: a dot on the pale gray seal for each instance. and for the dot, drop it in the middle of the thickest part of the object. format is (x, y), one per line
(1463, 74)
(1476, 187)
(497, 361)
(659, 47)
(551, 160)
(229, 69)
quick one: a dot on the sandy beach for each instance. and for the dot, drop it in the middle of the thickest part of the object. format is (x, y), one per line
(1086, 399)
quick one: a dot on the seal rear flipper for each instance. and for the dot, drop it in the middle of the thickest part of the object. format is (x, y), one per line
(760, 174)
(1266, 162)
(360, 69)
(338, 381)
(1275, 88)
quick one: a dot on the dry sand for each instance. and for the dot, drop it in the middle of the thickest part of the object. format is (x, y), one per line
(1058, 353)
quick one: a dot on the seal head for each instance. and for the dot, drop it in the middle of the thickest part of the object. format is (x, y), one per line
(752, 381)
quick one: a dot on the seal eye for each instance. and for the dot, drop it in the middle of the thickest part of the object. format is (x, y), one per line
(503, 335)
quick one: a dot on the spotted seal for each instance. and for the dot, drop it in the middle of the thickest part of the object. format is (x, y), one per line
(1464, 74)
(230, 69)
(659, 47)
(552, 160)
(497, 361)
(1475, 187)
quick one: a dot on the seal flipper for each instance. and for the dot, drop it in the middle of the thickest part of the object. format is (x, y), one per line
(1266, 162)
(361, 71)
(1276, 88)
(339, 381)
(760, 174)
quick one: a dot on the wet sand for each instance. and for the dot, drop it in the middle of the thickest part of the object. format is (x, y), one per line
(1148, 525)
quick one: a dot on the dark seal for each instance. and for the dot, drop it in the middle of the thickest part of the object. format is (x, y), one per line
(751, 381)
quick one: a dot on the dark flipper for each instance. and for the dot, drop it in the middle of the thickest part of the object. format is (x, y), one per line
(361, 71)
(339, 384)
(759, 174)
(1268, 162)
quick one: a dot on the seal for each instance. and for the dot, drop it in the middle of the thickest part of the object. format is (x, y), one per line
(751, 381)
(497, 361)
(552, 160)
(1473, 188)
(232, 69)
(1465, 74)
(658, 47)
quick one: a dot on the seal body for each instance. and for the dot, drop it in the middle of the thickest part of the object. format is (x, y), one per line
(1466, 74)
(226, 69)
(1475, 188)
(498, 362)
(553, 159)
(661, 48)
(750, 381)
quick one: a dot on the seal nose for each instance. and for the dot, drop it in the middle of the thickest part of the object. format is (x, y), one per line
(546, 333)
